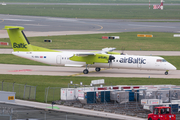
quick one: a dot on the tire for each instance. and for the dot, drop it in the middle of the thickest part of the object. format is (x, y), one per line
(85, 71)
(166, 73)
(150, 119)
(97, 69)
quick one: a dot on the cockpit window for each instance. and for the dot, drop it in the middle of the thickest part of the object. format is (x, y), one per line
(160, 60)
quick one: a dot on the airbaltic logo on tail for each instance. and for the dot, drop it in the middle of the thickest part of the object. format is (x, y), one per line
(20, 45)
(133, 60)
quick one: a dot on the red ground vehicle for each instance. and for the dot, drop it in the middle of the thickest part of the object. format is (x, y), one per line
(162, 113)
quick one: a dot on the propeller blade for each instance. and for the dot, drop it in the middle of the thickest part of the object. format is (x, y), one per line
(110, 60)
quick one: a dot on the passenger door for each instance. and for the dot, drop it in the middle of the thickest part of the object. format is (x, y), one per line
(58, 59)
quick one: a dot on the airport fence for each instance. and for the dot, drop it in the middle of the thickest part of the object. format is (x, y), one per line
(22, 91)
(52, 94)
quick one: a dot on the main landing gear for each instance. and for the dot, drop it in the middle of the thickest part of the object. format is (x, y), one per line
(166, 73)
(97, 69)
(86, 71)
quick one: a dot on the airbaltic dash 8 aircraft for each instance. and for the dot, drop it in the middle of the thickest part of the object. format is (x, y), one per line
(105, 58)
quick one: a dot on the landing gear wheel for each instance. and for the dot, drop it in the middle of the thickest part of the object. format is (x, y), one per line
(166, 73)
(86, 71)
(97, 69)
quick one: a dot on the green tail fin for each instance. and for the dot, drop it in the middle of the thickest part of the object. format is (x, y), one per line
(20, 42)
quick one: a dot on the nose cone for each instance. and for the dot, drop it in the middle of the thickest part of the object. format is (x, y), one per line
(172, 67)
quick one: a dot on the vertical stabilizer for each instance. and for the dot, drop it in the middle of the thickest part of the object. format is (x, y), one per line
(18, 39)
(20, 42)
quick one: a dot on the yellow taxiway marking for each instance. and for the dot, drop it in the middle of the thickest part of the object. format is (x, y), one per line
(89, 72)
(2, 20)
(101, 27)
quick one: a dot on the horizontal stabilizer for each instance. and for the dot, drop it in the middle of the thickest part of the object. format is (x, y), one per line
(13, 27)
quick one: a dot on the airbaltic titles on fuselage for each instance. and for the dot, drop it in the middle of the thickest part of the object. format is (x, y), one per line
(133, 60)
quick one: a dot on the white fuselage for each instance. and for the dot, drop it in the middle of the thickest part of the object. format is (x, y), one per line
(120, 61)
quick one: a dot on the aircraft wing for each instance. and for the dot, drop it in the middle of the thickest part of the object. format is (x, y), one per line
(95, 57)
(108, 49)
(85, 54)
(103, 51)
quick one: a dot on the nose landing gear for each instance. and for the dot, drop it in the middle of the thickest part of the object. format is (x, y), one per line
(166, 73)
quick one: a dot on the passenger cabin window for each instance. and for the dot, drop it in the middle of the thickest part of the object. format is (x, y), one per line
(160, 60)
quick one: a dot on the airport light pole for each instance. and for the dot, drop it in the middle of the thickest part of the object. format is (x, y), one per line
(71, 83)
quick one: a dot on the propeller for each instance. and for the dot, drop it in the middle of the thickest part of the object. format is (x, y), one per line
(110, 59)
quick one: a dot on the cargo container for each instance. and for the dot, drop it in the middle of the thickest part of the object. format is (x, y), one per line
(7, 96)
(176, 102)
(175, 94)
(87, 97)
(163, 95)
(103, 96)
(149, 94)
(81, 89)
(122, 96)
(68, 93)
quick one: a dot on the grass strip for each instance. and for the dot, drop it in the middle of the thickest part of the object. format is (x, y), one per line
(160, 41)
(89, 1)
(62, 81)
(93, 11)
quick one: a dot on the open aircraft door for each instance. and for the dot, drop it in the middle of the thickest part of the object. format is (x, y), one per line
(58, 59)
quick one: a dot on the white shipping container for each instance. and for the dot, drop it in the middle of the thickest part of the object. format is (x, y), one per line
(83, 89)
(7, 96)
(68, 94)
(81, 95)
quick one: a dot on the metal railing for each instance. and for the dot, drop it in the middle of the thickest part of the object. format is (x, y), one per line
(22, 91)
(52, 94)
